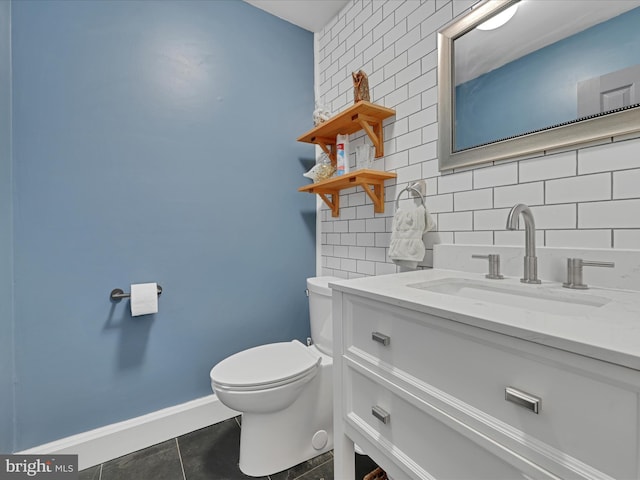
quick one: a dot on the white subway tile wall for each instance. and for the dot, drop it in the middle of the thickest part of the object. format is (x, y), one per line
(583, 197)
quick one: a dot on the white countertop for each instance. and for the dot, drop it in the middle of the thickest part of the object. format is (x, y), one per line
(610, 332)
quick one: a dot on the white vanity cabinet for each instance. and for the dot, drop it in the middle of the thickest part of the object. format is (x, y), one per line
(425, 397)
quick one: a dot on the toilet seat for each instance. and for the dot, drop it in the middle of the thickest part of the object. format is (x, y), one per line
(265, 366)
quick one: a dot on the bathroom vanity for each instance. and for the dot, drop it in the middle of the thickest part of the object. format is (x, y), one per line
(442, 374)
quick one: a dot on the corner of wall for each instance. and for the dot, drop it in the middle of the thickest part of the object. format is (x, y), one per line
(7, 320)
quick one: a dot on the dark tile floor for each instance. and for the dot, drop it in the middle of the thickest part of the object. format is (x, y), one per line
(208, 454)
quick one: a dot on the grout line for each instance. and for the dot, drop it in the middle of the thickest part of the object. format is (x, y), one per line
(184, 476)
(100, 476)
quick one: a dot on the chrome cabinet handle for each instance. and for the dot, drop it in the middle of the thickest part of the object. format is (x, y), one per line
(381, 338)
(380, 414)
(523, 399)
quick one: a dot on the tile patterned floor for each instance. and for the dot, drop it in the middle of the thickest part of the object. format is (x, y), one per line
(208, 454)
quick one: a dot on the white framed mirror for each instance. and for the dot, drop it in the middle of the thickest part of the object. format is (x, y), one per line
(555, 74)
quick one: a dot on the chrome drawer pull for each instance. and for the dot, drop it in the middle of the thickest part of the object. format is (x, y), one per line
(380, 414)
(523, 399)
(381, 338)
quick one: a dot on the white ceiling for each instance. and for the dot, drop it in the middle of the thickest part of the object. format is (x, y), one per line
(311, 15)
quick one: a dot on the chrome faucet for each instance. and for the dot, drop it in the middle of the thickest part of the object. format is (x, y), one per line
(530, 259)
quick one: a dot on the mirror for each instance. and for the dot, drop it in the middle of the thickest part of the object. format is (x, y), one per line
(555, 74)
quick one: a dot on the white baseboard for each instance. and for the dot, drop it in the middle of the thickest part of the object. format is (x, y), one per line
(113, 441)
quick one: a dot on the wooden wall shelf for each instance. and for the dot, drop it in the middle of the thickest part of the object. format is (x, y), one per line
(360, 116)
(372, 181)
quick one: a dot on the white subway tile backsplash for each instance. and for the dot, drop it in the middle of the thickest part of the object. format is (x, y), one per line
(454, 222)
(490, 219)
(424, 11)
(376, 254)
(407, 41)
(552, 166)
(341, 226)
(440, 203)
(435, 237)
(396, 160)
(461, 6)
(585, 188)
(356, 226)
(474, 238)
(409, 140)
(406, 75)
(626, 184)
(348, 239)
(554, 216)
(375, 225)
(626, 239)
(583, 197)
(365, 267)
(473, 200)
(332, 262)
(506, 174)
(579, 238)
(348, 264)
(397, 32)
(425, 154)
(527, 193)
(385, 268)
(440, 18)
(333, 238)
(428, 116)
(407, 9)
(516, 237)
(605, 158)
(613, 214)
(409, 174)
(366, 239)
(397, 97)
(455, 182)
(430, 134)
(357, 252)
(341, 251)
(426, 46)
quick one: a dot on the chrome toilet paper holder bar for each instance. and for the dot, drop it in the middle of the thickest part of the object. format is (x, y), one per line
(118, 294)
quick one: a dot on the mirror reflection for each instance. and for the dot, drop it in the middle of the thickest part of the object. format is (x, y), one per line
(584, 61)
(514, 68)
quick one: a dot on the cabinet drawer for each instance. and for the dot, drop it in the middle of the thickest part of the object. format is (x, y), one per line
(583, 413)
(437, 450)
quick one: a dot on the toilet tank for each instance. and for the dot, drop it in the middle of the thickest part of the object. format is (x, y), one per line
(320, 312)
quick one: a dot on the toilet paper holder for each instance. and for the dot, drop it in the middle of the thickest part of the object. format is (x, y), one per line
(118, 294)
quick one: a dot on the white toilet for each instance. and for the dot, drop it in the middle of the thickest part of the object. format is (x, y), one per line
(284, 391)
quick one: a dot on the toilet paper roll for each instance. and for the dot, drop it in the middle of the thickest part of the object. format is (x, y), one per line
(144, 299)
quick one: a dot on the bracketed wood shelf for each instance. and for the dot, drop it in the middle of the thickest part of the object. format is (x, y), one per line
(372, 181)
(360, 116)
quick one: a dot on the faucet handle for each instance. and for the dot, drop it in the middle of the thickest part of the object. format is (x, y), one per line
(494, 265)
(574, 272)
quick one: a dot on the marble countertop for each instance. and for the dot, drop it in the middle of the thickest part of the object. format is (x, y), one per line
(610, 332)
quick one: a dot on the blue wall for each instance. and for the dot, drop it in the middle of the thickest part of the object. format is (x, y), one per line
(544, 83)
(6, 317)
(153, 141)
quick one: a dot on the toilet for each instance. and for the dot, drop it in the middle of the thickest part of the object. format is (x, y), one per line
(284, 391)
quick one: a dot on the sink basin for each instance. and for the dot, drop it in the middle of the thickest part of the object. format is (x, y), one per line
(530, 297)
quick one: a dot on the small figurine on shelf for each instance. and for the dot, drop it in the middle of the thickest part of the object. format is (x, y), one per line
(320, 115)
(360, 86)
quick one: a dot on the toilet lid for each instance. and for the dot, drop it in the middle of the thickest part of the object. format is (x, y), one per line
(265, 365)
